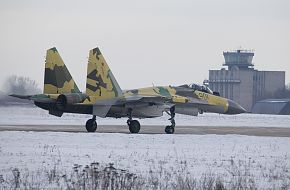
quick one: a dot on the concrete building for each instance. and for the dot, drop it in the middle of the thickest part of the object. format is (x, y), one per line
(241, 82)
(272, 106)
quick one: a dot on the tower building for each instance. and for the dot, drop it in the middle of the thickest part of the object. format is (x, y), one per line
(241, 82)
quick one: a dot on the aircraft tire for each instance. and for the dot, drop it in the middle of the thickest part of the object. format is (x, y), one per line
(91, 125)
(169, 129)
(134, 126)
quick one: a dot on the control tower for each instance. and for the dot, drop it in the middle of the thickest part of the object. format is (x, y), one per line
(239, 59)
(241, 82)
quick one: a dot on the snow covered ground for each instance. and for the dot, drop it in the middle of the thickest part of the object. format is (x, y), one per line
(264, 159)
(26, 115)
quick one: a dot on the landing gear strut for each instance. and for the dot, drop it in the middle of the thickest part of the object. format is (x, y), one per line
(134, 125)
(170, 128)
(91, 125)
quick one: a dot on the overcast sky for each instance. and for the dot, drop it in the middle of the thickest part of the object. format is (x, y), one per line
(154, 41)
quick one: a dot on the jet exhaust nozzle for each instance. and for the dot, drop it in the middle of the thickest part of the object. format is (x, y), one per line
(67, 99)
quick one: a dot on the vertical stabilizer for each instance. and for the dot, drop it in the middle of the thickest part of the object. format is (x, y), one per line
(101, 82)
(57, 78)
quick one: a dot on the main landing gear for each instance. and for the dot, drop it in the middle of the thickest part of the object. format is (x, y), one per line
(134, 125)
(91, 125)
(170, 128)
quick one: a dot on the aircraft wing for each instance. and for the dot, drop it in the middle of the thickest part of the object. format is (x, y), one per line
(147, 99)
(101, 108)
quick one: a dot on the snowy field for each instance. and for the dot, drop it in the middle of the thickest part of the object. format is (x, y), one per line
(31, 115)
(263, 162)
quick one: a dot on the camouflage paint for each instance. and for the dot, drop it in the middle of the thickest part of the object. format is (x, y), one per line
(101, 83)
(180, 95)
(57, 78)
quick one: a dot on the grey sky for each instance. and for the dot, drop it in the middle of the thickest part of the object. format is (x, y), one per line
(154, 41)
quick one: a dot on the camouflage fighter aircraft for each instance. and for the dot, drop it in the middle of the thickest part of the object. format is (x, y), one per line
(104, 97)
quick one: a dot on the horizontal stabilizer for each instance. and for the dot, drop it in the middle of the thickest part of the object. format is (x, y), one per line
(36, 98)
(26, 97)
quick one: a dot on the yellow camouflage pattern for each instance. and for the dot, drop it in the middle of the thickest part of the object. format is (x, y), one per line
(104, 97)
(174, 94)
(101, 83)
(57, 79)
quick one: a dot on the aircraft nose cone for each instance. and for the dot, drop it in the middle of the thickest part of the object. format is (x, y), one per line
(235, 108)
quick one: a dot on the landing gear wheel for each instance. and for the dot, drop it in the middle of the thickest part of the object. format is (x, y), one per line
(134, 126)
(169, 129)
(91, 125)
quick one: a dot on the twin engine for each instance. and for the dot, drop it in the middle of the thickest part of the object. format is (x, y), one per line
(68, 99)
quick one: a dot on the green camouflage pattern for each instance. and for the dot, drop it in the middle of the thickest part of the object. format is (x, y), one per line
(57, 79)
(181, 95)
(105, 98)
(101, 83)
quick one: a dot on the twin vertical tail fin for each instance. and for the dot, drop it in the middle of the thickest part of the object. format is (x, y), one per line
(57, 79)
(101, 82)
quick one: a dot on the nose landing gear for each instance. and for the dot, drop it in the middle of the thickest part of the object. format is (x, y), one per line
(170, 128)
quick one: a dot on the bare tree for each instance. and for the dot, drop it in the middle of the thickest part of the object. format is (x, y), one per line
(20, 85)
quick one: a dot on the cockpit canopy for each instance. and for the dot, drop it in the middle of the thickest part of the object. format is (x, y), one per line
(201, 88)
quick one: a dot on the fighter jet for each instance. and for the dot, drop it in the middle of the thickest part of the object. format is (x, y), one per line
(104, 98)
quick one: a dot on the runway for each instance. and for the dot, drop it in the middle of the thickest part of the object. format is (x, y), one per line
(155, 129)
